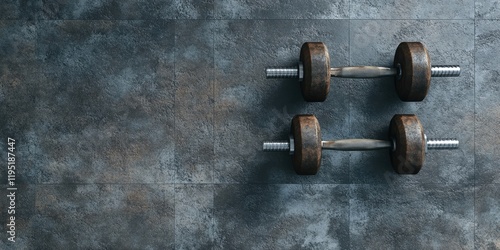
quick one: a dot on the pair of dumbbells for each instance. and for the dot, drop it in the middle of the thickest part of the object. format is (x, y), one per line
(407, 144)
(412, 71)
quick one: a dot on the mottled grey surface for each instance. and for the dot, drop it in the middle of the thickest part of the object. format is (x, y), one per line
(289, 216)
(19, 9)
(194, 101)
(118, 78)
(411, 217)
(139, 124)
(194, 216)
(487, 154)
(104, 215)
(487, 215)
(412, 9)
(281, 9)
(487, 9)
(126, 9)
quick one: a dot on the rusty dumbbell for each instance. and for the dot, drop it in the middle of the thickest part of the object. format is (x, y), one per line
(408, 144)
(412, 71)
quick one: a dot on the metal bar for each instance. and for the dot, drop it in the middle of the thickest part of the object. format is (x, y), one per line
(356, 144)
(363, 72)
(442, 143)
(276, 146)
(445, 71)
(282, 72)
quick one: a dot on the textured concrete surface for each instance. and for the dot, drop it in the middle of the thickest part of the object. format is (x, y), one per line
(139, 125)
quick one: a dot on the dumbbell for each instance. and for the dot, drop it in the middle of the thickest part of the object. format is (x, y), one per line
(408, 144)
(412, 71)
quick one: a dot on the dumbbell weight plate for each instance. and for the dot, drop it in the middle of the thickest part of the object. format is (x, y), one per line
(415, 64)
(316, 62)
(307, 141)
(408, 135)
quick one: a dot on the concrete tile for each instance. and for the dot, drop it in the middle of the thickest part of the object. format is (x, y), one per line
(487, 216)
(194, 209)
(99, 10)
(240, 9)
(94, 10)
(487, 9)
(18, 41)
(21, 205)
(194, 9)
(19, 74)
(104, 216)
(194, 101)
(250, 109)
(426, 9)
(487, 153)
(112, 119)
(411, 216)
(447, 111)
(19, 9)
(282, 216)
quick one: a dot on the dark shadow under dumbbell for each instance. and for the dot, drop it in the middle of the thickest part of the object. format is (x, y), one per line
(408, 144)
(412, 71)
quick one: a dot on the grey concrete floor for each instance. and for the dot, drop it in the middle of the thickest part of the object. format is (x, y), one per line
(138, 125)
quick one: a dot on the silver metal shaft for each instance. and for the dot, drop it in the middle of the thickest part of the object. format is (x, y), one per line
(445, 71)
(355, 144)
(277, 72)
(362, 145)
(276, 146)
(361, 71)
(282, 72)
(442, 143)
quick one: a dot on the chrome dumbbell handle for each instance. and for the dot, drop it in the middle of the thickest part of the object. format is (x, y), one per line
(360, 144)
(356, 144)
(360, 71)
(363, 72)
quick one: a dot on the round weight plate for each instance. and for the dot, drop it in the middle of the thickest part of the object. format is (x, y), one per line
(408, 135)
(316, 62)
(307, 140)
(415, 65)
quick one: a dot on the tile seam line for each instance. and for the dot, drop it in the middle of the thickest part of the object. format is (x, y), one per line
(186, 184)
(349, 188)
(260, 19)
(253, 183)
(213, 26)
(474, 138)
(114, 183)
(174, 136)
(215, 29)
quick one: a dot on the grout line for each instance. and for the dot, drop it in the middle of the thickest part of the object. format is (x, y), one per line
(214, 82)
(474, 136)
(213, 26)
(260, 19)
(236, 183)
(175, 144)
(349, 128)
(106, 183)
